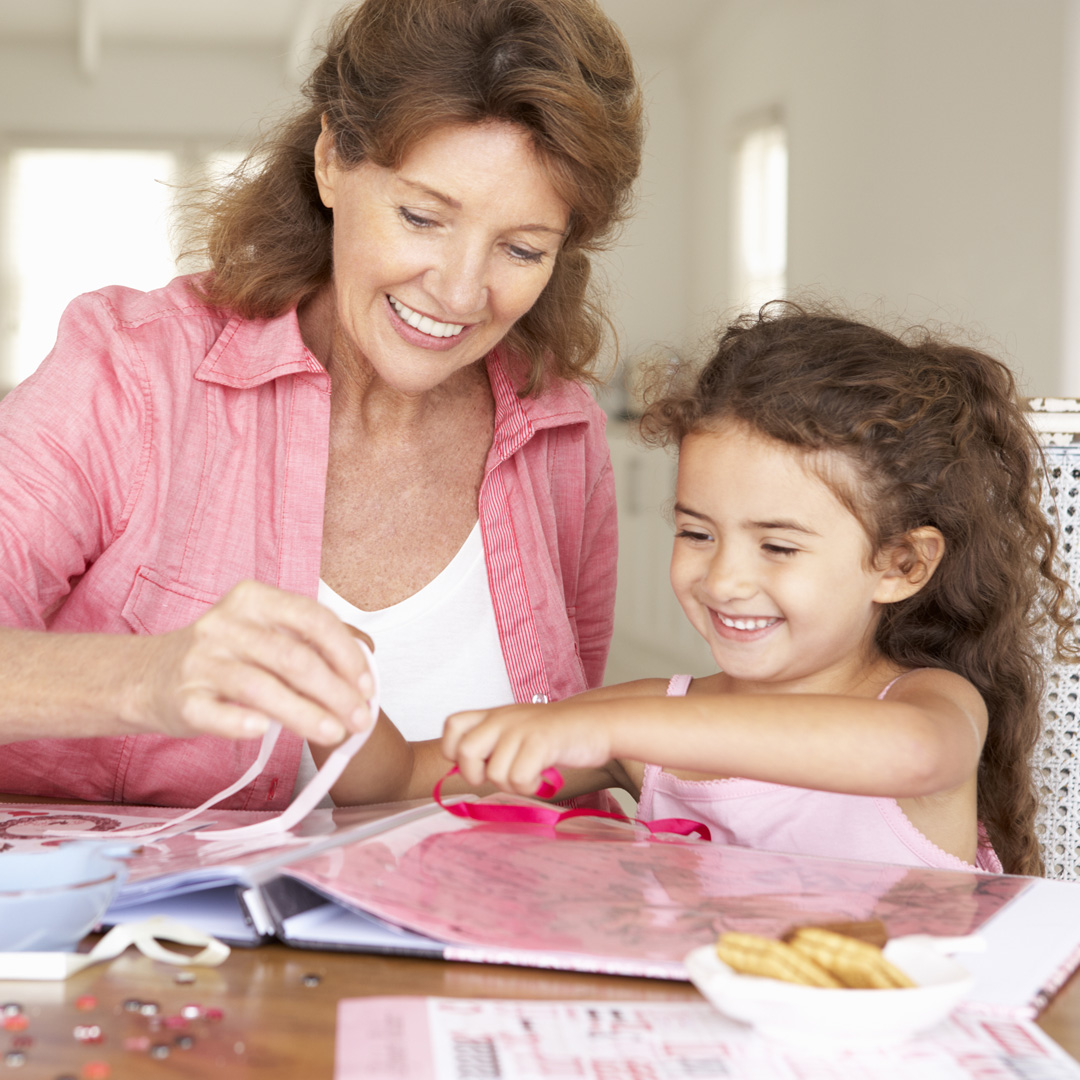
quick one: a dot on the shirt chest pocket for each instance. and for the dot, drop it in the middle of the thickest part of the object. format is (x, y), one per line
(156, 605)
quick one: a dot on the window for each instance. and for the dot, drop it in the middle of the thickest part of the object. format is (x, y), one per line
(76, 220)
(759, 247)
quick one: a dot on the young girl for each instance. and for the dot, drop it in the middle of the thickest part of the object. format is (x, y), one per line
(859, 539)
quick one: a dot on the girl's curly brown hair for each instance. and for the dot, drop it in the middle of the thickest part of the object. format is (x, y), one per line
(393, 72)
(938, 437)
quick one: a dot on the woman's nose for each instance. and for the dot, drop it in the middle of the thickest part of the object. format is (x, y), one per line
(459, 281)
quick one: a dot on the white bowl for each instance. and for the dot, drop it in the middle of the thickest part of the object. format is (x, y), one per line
(811, 1016)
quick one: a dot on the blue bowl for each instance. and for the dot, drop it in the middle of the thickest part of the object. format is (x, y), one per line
(49, 900)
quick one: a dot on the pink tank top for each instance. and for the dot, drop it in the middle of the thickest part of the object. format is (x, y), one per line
(774, 817)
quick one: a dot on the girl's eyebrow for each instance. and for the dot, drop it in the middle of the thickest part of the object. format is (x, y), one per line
(453, 203)
(784, 525)
(781, 524)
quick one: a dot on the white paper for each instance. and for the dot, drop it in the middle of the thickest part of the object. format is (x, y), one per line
(465, 1039)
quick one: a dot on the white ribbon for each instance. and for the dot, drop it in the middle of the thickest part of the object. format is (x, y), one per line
(145, 935)
(297, 810)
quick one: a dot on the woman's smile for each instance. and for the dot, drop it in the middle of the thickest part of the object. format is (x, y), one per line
(424, 323)
(422, 330)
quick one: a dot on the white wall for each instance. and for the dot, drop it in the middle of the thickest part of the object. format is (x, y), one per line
(926, 161)
(140, 92)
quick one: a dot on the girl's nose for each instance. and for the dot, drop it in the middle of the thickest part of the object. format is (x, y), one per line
(728, 576)
(459, 280)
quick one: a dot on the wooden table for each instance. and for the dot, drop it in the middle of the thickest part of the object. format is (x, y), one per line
(279, 1008)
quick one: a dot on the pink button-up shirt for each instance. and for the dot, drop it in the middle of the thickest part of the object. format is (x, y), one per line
(164, 452)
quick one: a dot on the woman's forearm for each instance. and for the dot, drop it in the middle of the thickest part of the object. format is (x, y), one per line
(70, 685)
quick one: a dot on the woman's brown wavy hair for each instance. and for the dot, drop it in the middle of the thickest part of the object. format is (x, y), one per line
(938, 437)
(392, 73)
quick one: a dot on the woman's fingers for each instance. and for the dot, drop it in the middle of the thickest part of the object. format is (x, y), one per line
(262, 655)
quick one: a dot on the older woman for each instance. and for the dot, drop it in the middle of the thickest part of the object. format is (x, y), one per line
(373, 398)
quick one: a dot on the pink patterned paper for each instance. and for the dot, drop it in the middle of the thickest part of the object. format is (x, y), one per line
(605, 892)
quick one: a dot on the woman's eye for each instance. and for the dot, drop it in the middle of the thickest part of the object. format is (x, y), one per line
(526, 255)
(410, 217)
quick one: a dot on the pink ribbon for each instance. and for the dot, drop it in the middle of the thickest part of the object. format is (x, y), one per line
(531, 814)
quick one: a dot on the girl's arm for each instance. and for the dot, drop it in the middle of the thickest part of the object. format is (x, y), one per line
(391, 769)
(925, 738)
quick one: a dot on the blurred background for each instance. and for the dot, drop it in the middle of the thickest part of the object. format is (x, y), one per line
(915, 159)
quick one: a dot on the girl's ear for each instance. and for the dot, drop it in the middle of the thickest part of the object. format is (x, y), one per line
(909, 564)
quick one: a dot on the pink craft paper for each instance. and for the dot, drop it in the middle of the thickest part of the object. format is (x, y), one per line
(607, 893)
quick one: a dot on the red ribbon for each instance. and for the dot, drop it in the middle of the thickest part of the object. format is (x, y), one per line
(549, 815)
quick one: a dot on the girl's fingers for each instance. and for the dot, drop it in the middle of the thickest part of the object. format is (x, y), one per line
(456, 727)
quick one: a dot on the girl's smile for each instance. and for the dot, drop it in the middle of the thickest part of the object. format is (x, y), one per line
(743, 628)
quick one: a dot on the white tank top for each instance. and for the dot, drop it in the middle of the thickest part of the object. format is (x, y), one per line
(438, 650)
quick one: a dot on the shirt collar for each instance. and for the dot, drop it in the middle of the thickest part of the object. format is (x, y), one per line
(559, 404)
(250, 352)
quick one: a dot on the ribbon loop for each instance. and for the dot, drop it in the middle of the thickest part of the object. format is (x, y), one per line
(551, 781)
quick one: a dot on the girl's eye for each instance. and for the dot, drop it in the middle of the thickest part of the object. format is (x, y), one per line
(525, 255)
(410, 217)
(777, 549)
(692, 534)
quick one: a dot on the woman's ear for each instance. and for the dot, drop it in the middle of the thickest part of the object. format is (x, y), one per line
(907, 565)
(325, 169)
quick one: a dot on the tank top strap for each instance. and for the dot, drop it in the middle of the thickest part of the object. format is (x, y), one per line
(881, 696)
(678, 685)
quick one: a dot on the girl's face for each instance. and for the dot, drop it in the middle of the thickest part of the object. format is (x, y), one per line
(770, 567)
(434, 261)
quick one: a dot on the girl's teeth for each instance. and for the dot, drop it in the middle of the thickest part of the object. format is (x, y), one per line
(425, 324)
(746, 624)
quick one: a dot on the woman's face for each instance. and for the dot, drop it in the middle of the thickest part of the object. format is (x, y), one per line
(435, 260)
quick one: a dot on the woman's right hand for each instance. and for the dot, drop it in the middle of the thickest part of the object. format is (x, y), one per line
(260, 654)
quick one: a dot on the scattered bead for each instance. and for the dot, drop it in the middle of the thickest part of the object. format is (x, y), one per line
(184, 977)
(191, 1012)
(13, 1059)
(174, 1022)
(86, 1002)
(311, 980)
(10, 1009)
(96, 1070)
(89, 1033)
(137, 1043)
(159, 1051)
(238, 1048)
(149, 1008)
(133, 1005)
(16, 1022)
(184, 1042)
(22, 1042)
(213, 1015)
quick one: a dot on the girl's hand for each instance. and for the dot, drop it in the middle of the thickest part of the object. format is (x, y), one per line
(511, 746)
(258, 655)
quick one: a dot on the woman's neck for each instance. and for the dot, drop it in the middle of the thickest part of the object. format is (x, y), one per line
(360, 398)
